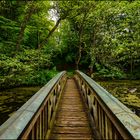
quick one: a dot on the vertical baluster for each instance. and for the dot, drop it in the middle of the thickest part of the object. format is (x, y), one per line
(46, 116)
(49, 113)
(99, 119)
(100, 110)
(86, 88)
(81, 83)
(35, 130)
(95, 107)
(91, 104)
(54, 99)
(57, 93)
(97, 116)
(110, 129)
(38, 127)
(84, 94)
(45, 119)
(52, 107)
(58, 88)
(43, 123)
(38, 130)
(77, 79)
(40, 120)
(33, 133)
(103, 124)
(106, 128)
(36, 136)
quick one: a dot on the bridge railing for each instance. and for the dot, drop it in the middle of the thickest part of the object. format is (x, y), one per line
(35, 118)
(112, 118)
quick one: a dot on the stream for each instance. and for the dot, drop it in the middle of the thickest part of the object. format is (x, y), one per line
(128, 92)
(12, 99)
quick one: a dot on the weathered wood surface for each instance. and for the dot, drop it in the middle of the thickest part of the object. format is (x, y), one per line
(71, 120)
(112, 118)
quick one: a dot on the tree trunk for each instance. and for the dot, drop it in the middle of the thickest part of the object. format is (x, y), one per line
(80, 41)
(79, 52)
(27, 17)
(93, 45)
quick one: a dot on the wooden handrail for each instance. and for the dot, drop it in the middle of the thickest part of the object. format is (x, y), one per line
(112, 118)
(35, 118)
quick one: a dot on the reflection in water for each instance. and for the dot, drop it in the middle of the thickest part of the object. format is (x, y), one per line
(128, 92)
(12, 99)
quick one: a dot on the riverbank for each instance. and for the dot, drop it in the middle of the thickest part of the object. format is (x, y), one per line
(127, 91)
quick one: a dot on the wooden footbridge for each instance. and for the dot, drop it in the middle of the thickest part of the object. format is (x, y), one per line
(76, 108)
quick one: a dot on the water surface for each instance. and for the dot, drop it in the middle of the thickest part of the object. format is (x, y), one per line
(128, 92)
(12, 99)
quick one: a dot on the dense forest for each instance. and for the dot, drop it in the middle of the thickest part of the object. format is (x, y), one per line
(40, 38)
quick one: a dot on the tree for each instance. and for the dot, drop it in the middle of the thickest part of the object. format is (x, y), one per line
(30, 10)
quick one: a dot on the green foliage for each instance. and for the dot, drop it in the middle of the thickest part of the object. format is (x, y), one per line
(12, 72)
(27, 68)
(110, 36)
(9, 29)
(29, 65)
(39, 77)
(108, 73)
(105, 33)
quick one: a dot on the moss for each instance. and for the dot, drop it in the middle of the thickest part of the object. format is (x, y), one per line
(131, 99)
(121, 90)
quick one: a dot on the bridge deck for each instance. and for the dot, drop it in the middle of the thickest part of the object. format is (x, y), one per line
(72, 120)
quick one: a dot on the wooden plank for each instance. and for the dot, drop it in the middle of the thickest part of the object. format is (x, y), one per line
(71, 118)
(72, 130)
(80, 136)
(72, 123)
